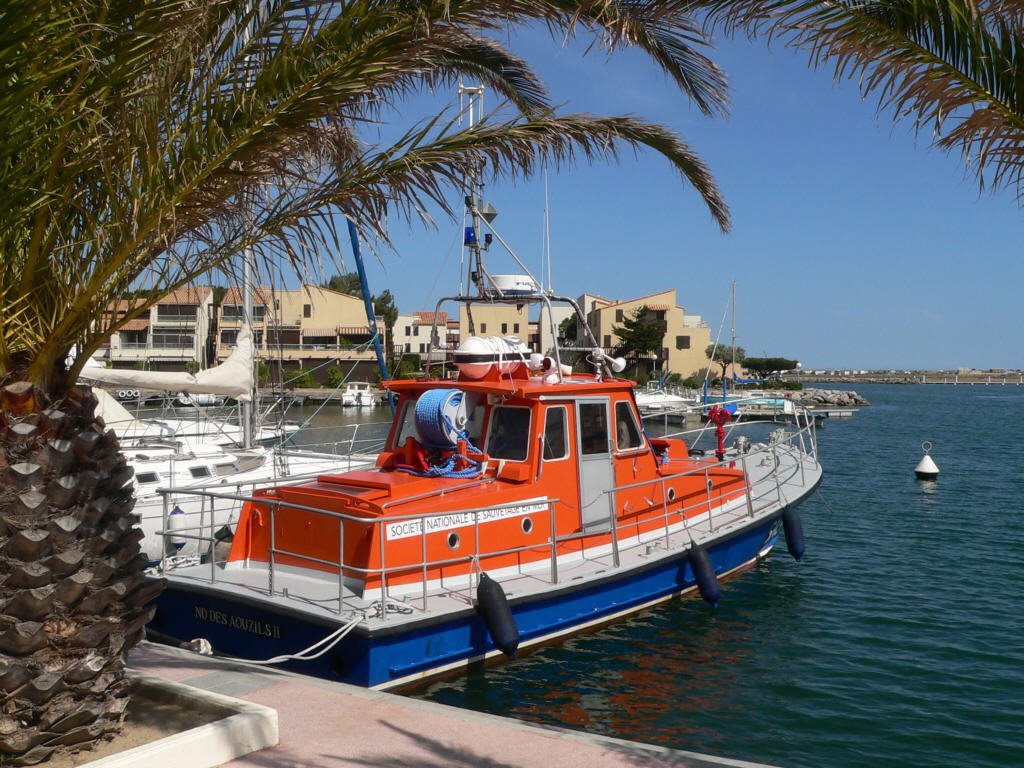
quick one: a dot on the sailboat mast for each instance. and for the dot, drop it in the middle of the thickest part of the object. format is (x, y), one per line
(733, 327)
(247, 407)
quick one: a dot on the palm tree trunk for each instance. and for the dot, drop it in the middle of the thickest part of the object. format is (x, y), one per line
(73, 597)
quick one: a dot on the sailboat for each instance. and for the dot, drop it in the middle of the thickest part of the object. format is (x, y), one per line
(516, 502)
(208, 457)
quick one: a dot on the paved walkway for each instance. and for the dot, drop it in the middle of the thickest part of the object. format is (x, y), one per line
(330, 725)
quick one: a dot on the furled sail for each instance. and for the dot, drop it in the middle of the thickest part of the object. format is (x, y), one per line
(232, 378)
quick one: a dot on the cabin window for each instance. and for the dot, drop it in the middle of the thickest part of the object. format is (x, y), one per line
(508, 433)
(593, 428)
(555, 444)
(202, 471)
(475, 410)
(227, 468)
(407, 425)
(627, 433)
(147, 477)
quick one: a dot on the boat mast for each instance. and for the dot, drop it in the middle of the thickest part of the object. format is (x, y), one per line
(733, 327)
(247, 407)
(473, 109)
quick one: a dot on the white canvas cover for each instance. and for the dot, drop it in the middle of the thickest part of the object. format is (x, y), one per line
(232, 378)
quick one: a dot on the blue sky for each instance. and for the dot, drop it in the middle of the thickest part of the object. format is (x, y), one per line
(854, 243)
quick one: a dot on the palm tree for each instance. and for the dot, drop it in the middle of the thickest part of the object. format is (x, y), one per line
(951, 66)
(147, 142)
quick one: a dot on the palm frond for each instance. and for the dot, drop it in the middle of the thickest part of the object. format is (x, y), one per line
(953, 67)
(150, 141)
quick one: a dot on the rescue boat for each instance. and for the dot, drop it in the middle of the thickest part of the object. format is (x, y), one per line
(516, 474)
(517, 501)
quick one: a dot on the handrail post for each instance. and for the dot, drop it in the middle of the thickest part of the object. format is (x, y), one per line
(554, 543)
(708, 484)
(383, 574)
(750, 488)
(614, 524)
(664, 510)
(271, 556)
(423, 558)
(163, 527)
(341, 565)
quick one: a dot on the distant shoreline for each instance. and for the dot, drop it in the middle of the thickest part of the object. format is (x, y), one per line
(1002, 378)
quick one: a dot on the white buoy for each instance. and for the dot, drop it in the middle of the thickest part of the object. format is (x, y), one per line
(926, 468)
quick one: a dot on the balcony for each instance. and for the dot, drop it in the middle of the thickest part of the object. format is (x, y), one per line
(305, 352)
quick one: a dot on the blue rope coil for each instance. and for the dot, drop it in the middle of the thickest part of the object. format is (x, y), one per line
(437, 431)
(432, 422)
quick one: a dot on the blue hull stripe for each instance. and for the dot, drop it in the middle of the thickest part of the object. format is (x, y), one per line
(242, 628)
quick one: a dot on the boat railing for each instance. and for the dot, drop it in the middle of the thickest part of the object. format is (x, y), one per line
(364, 438)
(205, 536)
(763, 493)
(805, 434)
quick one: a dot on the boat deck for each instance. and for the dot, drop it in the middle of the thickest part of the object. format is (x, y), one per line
(780, 474)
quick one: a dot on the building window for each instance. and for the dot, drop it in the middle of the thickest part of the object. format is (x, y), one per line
(504, 328)
(607, 340)
(483, 327)
(682, 342)
(307, 310)
(234, 312)
(408, 330)
(415, 330)
(228, 338)
(618, 316)
(171, 340)
(515, 328)
(423, 348)
(176, 313)
(408, 347)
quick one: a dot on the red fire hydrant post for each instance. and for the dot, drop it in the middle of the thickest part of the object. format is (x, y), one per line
(719, 416)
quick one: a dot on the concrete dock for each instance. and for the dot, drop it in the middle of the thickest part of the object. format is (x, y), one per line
(322, 723)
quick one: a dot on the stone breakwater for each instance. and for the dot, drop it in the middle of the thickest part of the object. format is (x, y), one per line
(828, 398)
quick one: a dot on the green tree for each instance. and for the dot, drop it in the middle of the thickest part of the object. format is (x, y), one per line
(765, 366)
(641, 335)
(148, 142)
(725, 355)
(950, 66)
(346, 283)
(384, 306)
(568, 330)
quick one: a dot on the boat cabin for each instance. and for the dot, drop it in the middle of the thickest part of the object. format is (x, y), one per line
(508, 466)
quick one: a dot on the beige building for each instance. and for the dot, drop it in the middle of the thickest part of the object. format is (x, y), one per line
(685, 339)
(496, 320)
(172, 336)
(304, 328)
(411, 334)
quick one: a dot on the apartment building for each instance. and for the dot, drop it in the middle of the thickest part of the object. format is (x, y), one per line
(685, 337)
(303, 329)
(172, 336)
(411, 334)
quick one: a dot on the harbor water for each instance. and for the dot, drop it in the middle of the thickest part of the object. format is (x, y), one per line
(897, 641)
